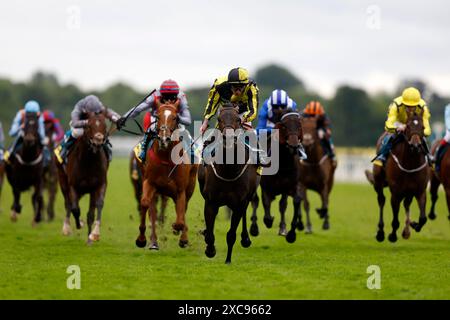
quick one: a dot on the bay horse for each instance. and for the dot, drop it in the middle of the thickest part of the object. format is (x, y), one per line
(86, 173)
(135, 170)
(227, 184)
(51, 172)
(162, 176)
(436, 178)
(406, 175)
(25, 169)
(286, 181)
(316, 173)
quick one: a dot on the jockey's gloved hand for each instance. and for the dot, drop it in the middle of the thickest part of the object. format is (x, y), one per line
(120, 123)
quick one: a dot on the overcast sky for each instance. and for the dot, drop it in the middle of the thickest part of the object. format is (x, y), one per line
(371, 44)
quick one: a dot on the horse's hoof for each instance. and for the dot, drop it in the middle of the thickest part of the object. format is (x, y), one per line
(183, 243)
(416, 226)
(66, 230)
(291, 236)
(326, 225)
(432, 216)
(13, 216)
(268, 222)
(254, 230)
(308, 230)
(300, 226)
(282, 232)
(141, 244)
(154, 246)
(94, 237)
(210, 252)
(406, 234)
(78, 225)
(89, 242)
(176, 232)
(246, 242)
(380, 236)
(81, 223)
(228, 261)
(392, 237)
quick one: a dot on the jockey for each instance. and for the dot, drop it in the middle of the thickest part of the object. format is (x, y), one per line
(2, 142)
(396, 120)
(90, 103)
(58, 132)
(19, 122)
(168, 92)
(441, 147)
(279, 99)
(237, 88)
(315, 109)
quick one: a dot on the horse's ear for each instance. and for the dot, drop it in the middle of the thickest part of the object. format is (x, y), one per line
(177, 104)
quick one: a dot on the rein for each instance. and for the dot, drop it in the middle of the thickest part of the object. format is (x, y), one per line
(408, 170)
(31, 163)
(230, 180)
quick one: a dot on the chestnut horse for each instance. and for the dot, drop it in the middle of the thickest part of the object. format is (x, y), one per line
(51, 172)
(406, 175)
(136, 168)
(25, 168)
(162, 176)
(286, 181)
(443, 176)
(227, 184)
(316, 173)
(86, 173)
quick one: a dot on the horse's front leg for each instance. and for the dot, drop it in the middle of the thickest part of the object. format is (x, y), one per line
(16, 208)
(38, 203)
(52, 190)
(306, 206)
(238, 213)
(283, 206)
(291, 236)
(180, 223)
(148, 204)
(323, 212)
(245, 239)
(422, 201)
(395, 204)
(267, 201)
(254, 230)
(434, 187)
(74, 206)
(407, 203)
(210, 213)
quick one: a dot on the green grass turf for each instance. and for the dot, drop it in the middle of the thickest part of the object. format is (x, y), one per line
(325, 265)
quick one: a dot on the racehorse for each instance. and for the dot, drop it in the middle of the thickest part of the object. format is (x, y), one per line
(162, 176)
(436, 178)
(135, 170)
(51, 172)
(227, 184)
(286, 181)
(25, 168)
(86, 173)
(316, 173)
(406, 175)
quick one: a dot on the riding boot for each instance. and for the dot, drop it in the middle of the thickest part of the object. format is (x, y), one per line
(108, 150)
(386, 146)
(144, 145)
(65, 147)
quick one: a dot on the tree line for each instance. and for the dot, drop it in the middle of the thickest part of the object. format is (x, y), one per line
(357, 116)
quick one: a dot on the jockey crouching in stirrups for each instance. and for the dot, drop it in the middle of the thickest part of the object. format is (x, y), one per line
(169, 92)
(396, 123)
(88, 104)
